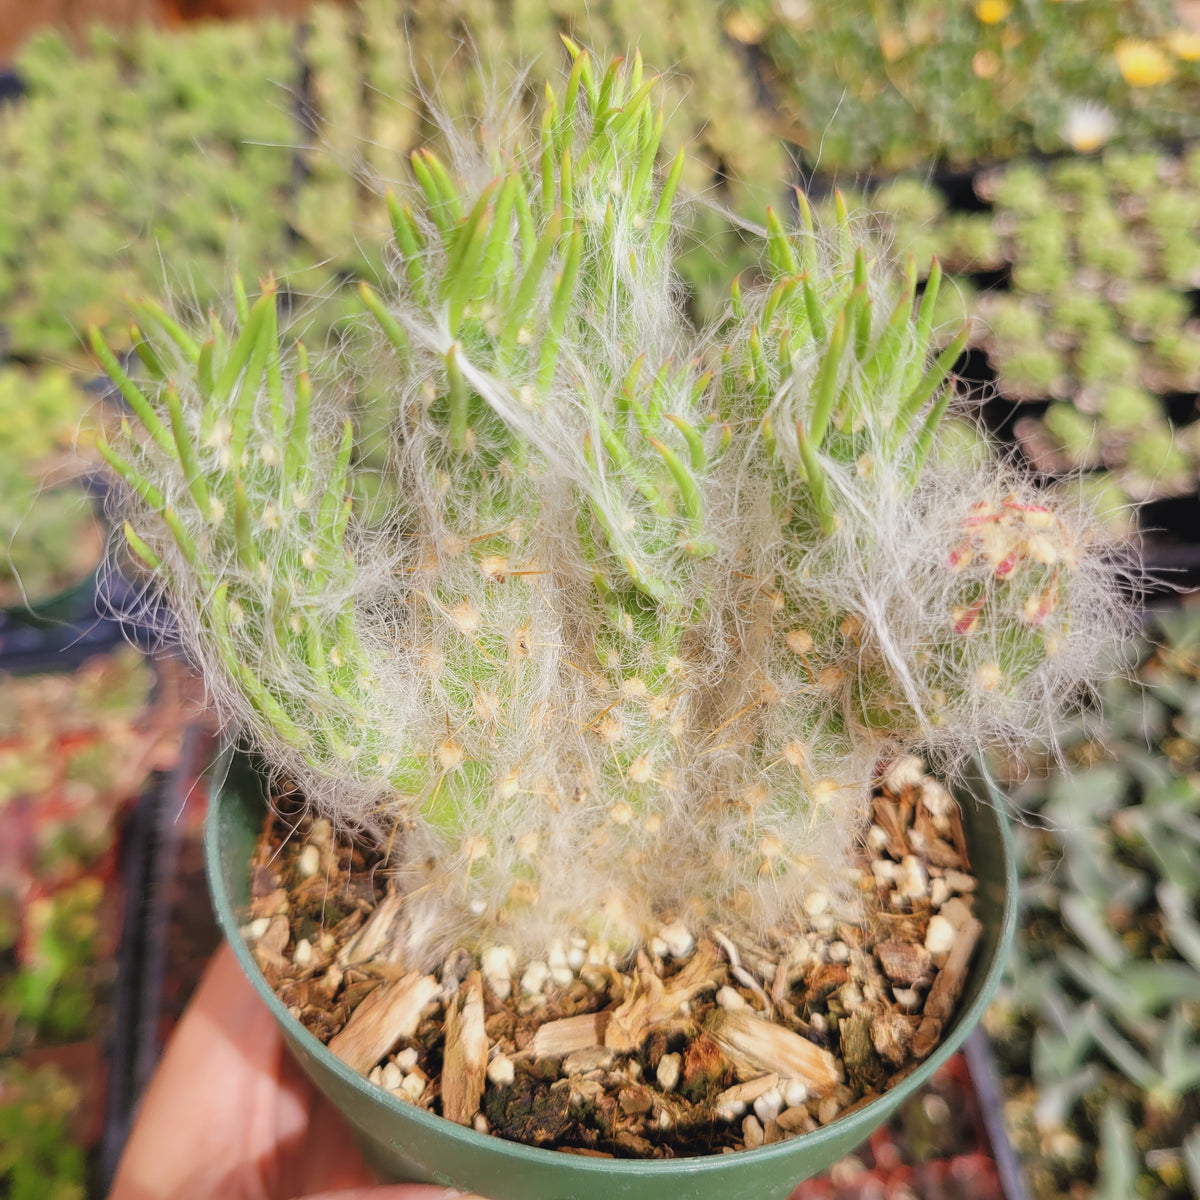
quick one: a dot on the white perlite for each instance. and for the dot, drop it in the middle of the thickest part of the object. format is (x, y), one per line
(501, 1071)
(533, 980)
(752, 1132)
(768, 1106)
(907, 771)
(910, 878)
(939, 937)
(497, 964)
(308, 862)
(670, 1068)
(677, 939)
(559, 967)
(730, 998)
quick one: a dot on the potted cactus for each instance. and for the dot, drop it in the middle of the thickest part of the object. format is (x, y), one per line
(605, 658)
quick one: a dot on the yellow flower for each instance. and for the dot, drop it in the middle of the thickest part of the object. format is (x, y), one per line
(1184, 44)
(992, 12)
(1142, 63)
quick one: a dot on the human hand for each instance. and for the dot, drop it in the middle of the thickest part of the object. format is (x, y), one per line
(230, 1116)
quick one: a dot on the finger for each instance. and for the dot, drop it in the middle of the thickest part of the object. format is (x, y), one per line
(214, 1113)
(323, 1157)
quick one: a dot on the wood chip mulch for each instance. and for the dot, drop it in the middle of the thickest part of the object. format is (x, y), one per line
(694, 1047)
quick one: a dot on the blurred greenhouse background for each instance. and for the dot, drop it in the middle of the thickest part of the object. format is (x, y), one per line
(1046, 151)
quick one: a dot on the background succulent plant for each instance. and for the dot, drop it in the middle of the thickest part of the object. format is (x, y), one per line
(50, 533)
(130, 155)
(633, 586)
(371, 69)
(1081, 276)
(1098, 1025)
(882, 87)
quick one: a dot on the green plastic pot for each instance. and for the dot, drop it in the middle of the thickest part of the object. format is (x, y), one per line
(405, 1143)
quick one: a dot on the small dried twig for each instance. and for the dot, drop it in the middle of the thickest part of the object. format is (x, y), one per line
(568, 1034)
(740, 973)
(388, 1015)
(653, 1000)
(959, 838)
(375, 933)
(464, 1069)
(756, 1046)
(887, 817)
(947, 988)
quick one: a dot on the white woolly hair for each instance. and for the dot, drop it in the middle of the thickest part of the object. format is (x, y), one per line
(542, 748)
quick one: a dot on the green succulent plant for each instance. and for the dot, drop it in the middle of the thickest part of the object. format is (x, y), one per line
(134, 152)
(629, 584)
(1098, 1026)
(373, 68)
(885, 86)
(1096, 312)
(39, 1159)
(50, 536)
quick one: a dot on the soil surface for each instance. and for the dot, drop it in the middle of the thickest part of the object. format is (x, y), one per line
(692, 1047)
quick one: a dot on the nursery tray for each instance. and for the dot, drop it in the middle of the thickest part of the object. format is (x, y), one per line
(948, 1142)
(167, 936)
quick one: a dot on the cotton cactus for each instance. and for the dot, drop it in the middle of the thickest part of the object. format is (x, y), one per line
(638, 608)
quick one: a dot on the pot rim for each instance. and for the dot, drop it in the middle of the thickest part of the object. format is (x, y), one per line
(965, 1019)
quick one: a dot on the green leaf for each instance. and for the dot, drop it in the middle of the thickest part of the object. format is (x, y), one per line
(460, 401)
(520, 308)
(497, 250)
(241, 303)
(466, 250)
(244, 347)
(933, 379)
(445, 207)
(662, 223)
(336, 487)
(134, 397)
(1120, 1163)
(814, 474)
(155, 367)
(826, 388)
(409, 240)
(780, 248)
(925, 314)
(141, 550)
(390, 327)
(695, 443)
(243, 536)
(685, 481)
(564, 291)
(151, 314)
(186, 449)
(297, 451)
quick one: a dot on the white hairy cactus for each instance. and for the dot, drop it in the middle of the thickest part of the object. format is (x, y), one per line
(636, 610)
